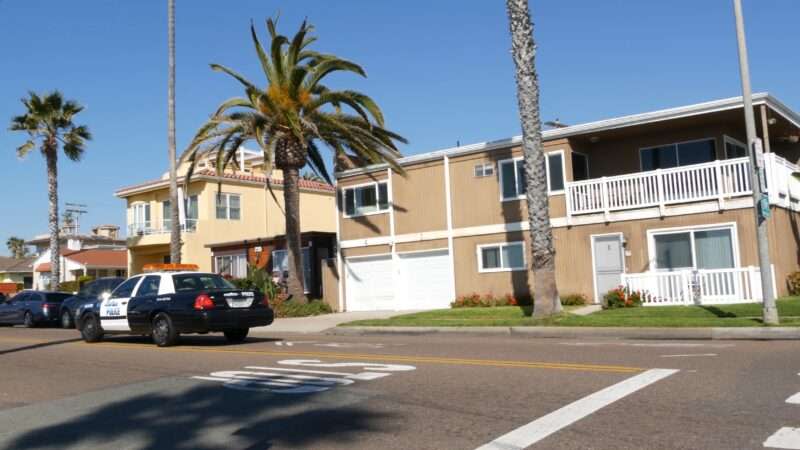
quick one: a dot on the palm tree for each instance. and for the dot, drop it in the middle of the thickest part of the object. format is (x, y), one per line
(523, 51)
(290, 118)
(49, 120)
(175, 226)
(17, 247)
(311, 176)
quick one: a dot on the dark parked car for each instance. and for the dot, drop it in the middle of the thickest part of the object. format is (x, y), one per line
(31, 308)
(90, 292)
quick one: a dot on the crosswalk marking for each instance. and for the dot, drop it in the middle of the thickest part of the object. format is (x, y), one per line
(786, 438)
(795, 399)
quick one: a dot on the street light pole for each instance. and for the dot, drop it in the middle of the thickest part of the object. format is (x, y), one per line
(755, 152)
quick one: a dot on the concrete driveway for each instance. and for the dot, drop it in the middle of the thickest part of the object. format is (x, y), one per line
(318, 324)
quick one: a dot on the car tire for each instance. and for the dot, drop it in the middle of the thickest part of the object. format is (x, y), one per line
(163, 330)
(236, 336)
(90, 329)
(66, 320)
(27, 320)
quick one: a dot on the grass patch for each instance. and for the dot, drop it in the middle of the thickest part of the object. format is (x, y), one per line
(745, 315)
(291, 309)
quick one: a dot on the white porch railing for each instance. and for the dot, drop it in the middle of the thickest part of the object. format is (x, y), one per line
(146, 228)
(716, 180)
(783, 188)
(698, 287)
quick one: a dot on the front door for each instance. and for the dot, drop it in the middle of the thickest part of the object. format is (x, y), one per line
(114, 310)
(609, 263)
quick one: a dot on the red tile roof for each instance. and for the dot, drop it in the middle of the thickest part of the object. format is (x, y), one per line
(100, 257)
(43, 267)
(303, 183)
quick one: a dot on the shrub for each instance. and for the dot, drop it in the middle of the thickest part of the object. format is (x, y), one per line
(574, 300)
(75, 285)
(793, 280)
(487, 301)
(289, 308)
(621, 297)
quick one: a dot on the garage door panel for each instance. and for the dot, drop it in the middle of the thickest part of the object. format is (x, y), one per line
(370, 284)
(427, 280)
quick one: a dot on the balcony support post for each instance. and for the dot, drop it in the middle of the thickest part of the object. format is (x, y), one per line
(719, 182)
(604, 193)
(660, 185)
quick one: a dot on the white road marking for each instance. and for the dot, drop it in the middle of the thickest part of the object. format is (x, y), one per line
(688, 355)
(795, 399)
(786, 437)
(335, 344)
(363, 376)
(542, 427)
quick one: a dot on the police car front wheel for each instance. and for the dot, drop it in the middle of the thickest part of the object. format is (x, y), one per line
(164, 332)
(90, 329)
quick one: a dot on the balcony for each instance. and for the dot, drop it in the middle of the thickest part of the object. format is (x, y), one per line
(719, 181)
(147, 228)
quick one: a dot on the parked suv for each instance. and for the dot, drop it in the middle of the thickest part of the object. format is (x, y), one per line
(92, 291)
(31, 308)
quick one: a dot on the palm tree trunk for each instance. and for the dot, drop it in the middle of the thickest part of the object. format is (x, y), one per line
(51, 158)
(175, 225)
(523, 51)
(291, 198)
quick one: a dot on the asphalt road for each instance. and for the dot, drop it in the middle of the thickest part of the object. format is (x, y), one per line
(394, 392)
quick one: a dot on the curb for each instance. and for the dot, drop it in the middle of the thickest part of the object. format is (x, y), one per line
(717, 333)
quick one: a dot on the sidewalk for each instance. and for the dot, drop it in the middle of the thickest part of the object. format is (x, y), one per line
(710, 333)
(318, 324)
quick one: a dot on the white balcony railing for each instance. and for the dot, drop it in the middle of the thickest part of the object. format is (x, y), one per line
(147, 228)
(782, 186)
(716, 180)
(697, 287)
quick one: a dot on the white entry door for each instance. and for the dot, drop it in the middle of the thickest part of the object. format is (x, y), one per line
(370, 284)
(426, 280)
(609, 263)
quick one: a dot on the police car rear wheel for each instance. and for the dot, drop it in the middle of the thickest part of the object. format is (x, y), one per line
(164, 332)
(236, 336)
(90, 329)
(27, 321)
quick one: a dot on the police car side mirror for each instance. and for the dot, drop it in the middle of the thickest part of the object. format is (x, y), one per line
(105, 295)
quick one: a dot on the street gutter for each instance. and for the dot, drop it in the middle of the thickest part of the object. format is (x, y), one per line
(707, 333)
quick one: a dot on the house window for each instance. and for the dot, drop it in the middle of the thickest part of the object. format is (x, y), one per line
(484, 170)
(231, 265)
(141, 218)
(580, 167)
(367, 199)
(280, 264)
(734, 148)
(707, 248)
(189, 208)
(512, 176)
(678, 154)
(228, 206)
(501, 257)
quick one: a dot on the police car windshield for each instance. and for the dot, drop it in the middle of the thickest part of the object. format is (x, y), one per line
(200, 281)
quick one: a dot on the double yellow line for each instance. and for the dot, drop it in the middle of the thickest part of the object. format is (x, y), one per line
(371, 357)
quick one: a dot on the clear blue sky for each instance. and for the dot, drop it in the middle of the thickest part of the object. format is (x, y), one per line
(440, 69)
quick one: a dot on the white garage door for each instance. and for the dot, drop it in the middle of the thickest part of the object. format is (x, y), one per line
(369, 284)
(427, 281)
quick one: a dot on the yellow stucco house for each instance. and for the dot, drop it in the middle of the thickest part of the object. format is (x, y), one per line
(214, 209)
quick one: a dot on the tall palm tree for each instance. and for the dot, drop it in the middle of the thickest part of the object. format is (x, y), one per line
(17, 247)
(48, 120)
(523, 51)
(175, 225)
(290, 117)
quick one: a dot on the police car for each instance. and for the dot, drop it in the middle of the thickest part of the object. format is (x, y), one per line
(170, 299)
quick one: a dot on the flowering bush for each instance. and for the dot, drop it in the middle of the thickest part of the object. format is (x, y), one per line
(484, 301)
(622, 297)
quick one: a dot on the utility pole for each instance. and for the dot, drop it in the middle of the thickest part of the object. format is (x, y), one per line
(757, 174)
(74, 212)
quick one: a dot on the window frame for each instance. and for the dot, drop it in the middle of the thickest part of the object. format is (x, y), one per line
(479, 253)
(306, 255)
(375, 185)
(227, 205)
(483, 170)
(677, 153)
(147, 211)
(515, 160)
(731, 140)
(691, 229)
(235, 257)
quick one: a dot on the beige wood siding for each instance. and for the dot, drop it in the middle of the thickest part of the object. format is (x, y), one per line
(419, 199)
(434, 244)
(784, 245)
(362, 227)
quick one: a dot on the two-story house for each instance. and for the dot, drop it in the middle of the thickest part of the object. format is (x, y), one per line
(660, 200)
(227, 221)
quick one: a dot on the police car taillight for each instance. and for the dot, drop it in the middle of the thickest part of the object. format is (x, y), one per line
(203, 302)
(265, 300)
